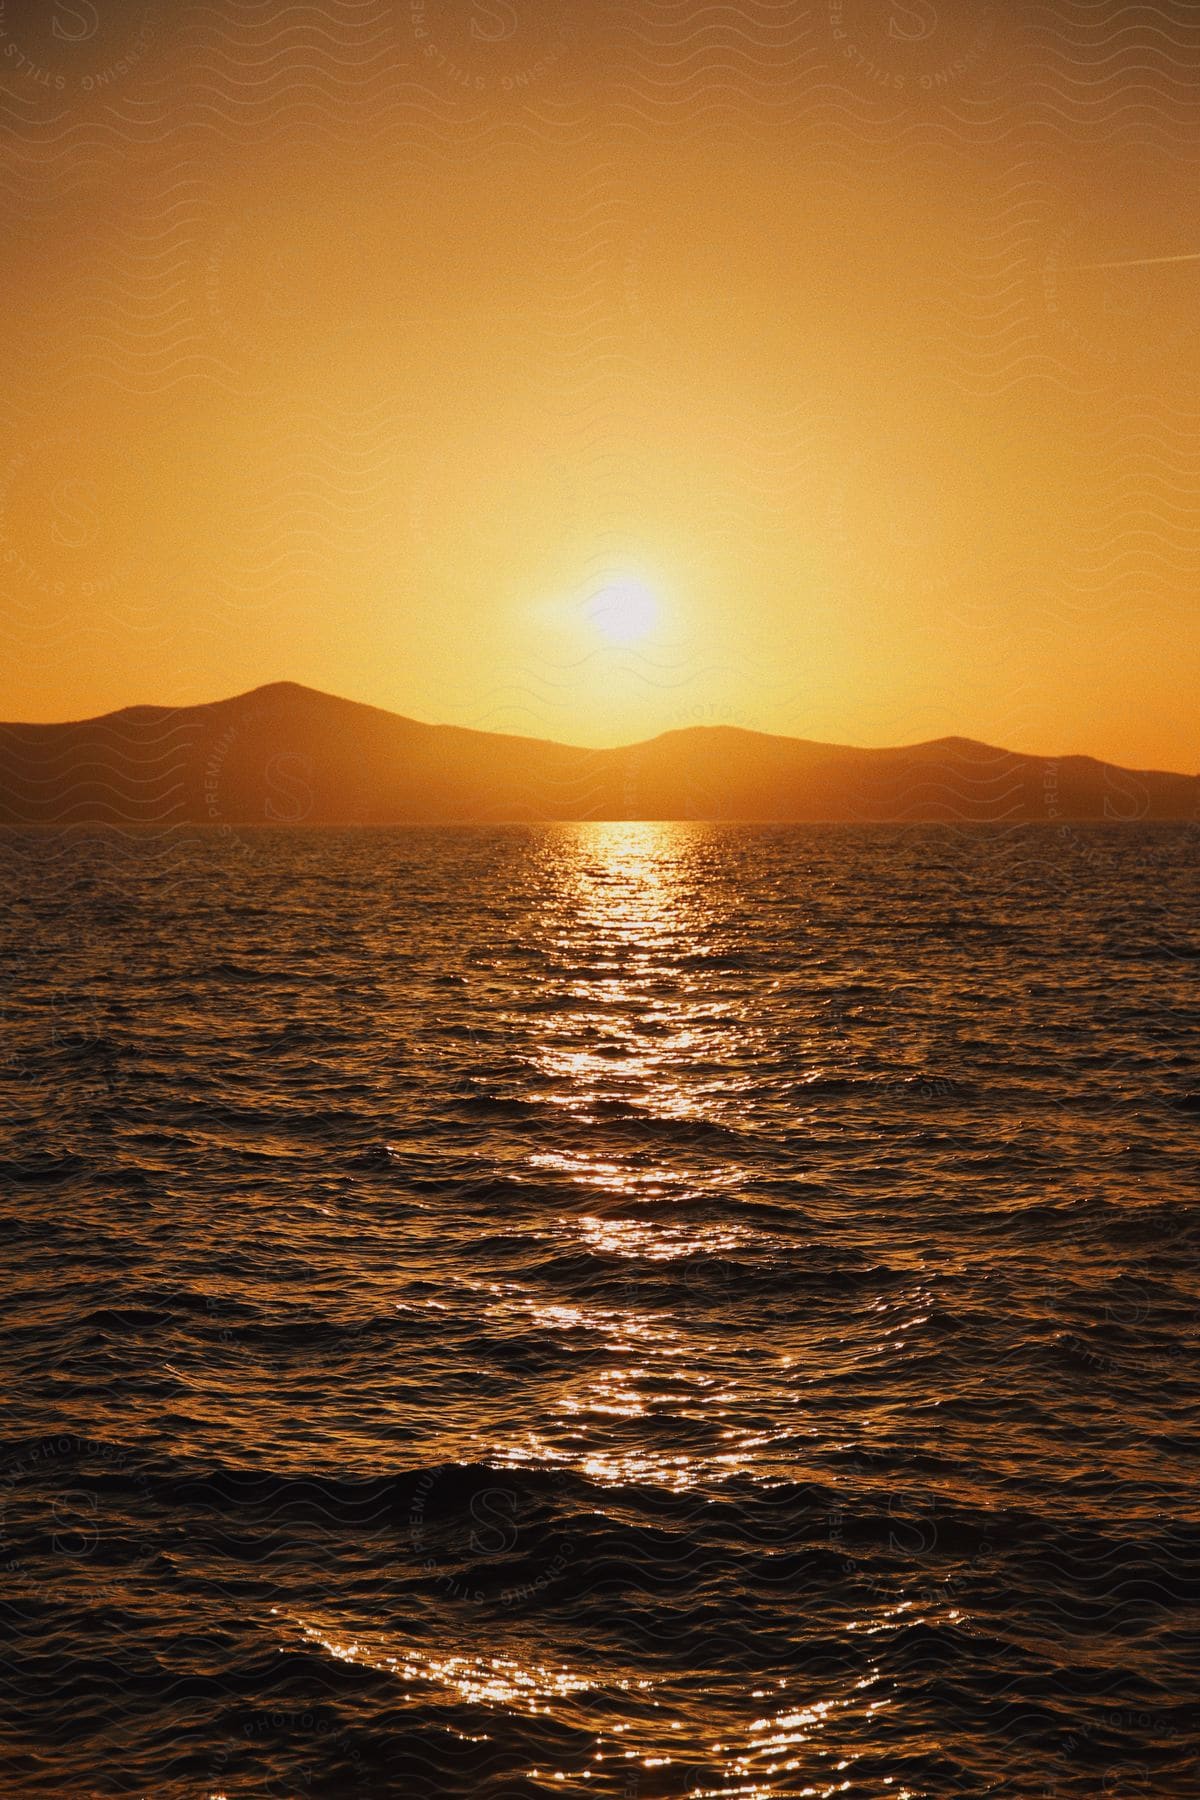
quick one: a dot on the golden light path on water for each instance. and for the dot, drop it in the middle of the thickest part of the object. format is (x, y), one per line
(627, 918)
(752, 1768)
(631, 1027)
(634, 1031)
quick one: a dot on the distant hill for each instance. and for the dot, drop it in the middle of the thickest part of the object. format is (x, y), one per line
(285, 754)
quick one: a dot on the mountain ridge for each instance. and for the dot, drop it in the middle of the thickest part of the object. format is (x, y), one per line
(283, 753)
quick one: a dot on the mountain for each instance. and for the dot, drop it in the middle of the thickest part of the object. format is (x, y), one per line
(285, 754)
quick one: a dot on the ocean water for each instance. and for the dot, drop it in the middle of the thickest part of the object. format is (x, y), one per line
(618, 1310)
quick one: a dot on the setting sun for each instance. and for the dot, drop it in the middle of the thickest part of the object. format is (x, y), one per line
(624, 612)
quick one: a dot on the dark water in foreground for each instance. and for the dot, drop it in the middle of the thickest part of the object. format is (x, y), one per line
(620, 1311)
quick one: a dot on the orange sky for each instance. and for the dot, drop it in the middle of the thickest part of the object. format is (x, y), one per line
(369, 345)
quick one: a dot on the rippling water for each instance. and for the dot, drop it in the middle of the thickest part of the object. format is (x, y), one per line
(613, 1310)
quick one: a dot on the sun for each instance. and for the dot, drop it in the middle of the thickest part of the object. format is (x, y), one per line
(624, 611)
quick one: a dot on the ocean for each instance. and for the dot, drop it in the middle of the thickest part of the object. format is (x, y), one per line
(613, 1310)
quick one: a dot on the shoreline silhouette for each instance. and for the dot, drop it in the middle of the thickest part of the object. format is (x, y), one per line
(285, 754)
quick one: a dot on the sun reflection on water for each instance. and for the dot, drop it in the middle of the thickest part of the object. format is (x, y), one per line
(646, 1052)
(642, 1034)
(641, 1031)
(761, 1759)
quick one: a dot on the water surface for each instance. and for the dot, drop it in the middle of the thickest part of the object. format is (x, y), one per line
(600, 1310)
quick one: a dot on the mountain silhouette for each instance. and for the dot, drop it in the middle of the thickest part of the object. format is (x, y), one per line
(286, 754)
